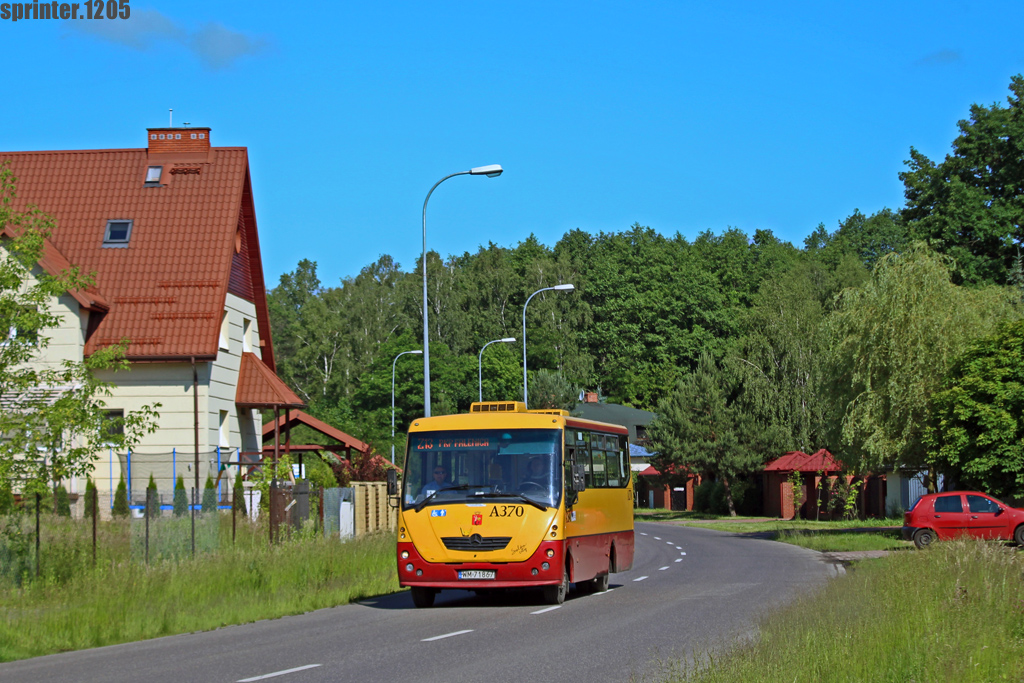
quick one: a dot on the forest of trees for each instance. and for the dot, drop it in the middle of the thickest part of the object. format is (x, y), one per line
(879, 339)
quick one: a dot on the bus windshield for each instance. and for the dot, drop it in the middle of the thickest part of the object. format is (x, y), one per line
(482, 464)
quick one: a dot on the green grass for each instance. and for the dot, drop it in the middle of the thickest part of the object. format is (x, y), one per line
(754, 526)
(123, 599)
(952, 613)
(843, 541)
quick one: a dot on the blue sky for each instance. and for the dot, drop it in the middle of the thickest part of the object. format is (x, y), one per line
(681, 116)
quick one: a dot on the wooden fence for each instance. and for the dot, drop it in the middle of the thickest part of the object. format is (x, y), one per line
(373, 511)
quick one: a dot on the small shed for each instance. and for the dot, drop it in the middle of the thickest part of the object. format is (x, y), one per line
(778, 490)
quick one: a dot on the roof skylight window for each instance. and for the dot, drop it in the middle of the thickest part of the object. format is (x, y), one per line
(118, 233)
(153, 175)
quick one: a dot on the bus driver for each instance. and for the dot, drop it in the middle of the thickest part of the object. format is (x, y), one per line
(438, 482)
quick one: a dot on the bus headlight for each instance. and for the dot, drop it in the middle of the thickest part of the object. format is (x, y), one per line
(408, 567)
(545, 566)
(405, 555)
(550, 553)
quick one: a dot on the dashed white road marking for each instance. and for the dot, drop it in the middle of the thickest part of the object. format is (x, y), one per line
(279, 673)
(679, 559)
(678, 548)
(661, 569)
(683, 553)
(604, 593)
(657, 538)
(642, 533)
(546, 609)
(640, 578)
(447, 635)
(671, 543)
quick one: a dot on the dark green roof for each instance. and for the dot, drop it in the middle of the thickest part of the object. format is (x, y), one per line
(615, 414)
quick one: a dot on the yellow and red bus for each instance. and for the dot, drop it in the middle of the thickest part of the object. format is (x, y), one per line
(505, 497)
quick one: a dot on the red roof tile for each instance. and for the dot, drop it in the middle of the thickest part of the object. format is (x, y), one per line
(259, 387)
(797, 461)
(178, 263)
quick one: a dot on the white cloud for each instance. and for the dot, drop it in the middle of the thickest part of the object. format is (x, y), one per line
(941, 57)
(218, 46)
(214, 44)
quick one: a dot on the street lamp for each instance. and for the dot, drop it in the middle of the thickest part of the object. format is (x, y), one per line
(416, 351)
(491, 171)
(480, 369)
(557, 288)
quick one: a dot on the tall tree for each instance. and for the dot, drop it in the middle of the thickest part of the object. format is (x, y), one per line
(971, 205)
(892, 342)
(977, 426)
(705, 426)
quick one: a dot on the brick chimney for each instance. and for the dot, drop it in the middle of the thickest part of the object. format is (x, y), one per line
(590, 397)
(173, 140)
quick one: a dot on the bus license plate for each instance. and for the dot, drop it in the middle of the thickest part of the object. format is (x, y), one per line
(476, 574)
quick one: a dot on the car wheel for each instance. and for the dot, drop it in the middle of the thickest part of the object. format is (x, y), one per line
(423, 597)
(1018, 536)
(555, 595)
(924, 538)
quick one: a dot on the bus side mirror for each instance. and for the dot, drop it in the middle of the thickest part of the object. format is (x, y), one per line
(392, 482)
(579, 480)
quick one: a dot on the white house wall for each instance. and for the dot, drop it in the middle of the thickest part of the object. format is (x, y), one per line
(170, 450)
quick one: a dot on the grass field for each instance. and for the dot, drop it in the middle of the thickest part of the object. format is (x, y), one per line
(833, 536)
(123, 599)
(952, 613)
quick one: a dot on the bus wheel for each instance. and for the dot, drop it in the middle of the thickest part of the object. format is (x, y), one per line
(555, 595)
(599, 584)
(422, 597)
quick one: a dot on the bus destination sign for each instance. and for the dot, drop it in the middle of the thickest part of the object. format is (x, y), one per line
(454, 443)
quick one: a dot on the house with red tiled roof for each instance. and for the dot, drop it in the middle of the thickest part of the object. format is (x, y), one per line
(169, 232)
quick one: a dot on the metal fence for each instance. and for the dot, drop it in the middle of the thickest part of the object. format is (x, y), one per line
(35, 542)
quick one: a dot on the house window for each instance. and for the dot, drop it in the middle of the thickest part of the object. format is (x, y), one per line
(193, 136)
(246, 335)
(161, 136)
(113, 423)
(153, 175)
(224, 429)
(118, 233)
(177, 136)
(202, 136)
(225, 330)
(152, 136)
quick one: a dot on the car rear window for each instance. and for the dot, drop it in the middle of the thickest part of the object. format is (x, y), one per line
(948, 504)
(915, 504)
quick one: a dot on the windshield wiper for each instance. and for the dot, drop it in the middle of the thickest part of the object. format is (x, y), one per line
(463, 487)
(510, 494)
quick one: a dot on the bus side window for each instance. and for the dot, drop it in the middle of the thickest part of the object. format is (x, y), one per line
(613, 467)
(598, 462)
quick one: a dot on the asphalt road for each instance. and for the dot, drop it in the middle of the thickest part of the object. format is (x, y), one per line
(689, 589)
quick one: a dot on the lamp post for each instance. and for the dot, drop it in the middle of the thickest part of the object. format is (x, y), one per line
(416, 351)
(557, 288)
(480, 367)
(491, 171)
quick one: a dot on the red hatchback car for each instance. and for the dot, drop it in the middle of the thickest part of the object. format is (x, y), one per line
(961, 513)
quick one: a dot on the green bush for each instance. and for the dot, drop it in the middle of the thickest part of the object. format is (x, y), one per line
(90, 496)
(121, 499)
(702, 496)
(61, 502)
(238, 496)
(152, 499)
(209, 496)
(6, 498)
(180, 498)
